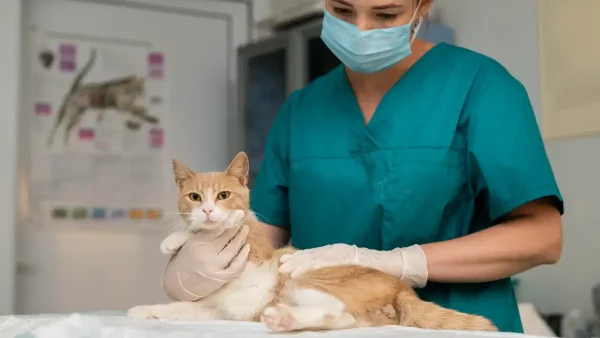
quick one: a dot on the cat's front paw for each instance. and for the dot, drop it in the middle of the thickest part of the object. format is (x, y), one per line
(173, 243)
(187, 311)
(144, 312)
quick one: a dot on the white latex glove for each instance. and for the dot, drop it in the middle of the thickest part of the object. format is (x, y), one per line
(409, 264)
(206, 261)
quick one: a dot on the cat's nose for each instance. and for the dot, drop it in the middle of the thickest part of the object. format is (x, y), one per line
(207, 211)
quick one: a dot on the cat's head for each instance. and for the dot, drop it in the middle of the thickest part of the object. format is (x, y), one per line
(208, 200)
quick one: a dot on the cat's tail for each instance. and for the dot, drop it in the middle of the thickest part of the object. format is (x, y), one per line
(62, 111)
(415, 312)
(77, 81)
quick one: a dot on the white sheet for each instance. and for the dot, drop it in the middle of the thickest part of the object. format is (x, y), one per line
(102, 326)
(533, 323)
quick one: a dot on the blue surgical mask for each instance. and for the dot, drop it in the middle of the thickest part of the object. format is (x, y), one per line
(367, 51)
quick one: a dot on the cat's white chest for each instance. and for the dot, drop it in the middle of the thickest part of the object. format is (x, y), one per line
(248, 294)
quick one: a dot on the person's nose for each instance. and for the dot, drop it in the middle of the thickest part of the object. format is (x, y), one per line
(362, 23)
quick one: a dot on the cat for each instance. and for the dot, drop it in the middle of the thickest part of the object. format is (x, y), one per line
(324, 299)
(120, 94)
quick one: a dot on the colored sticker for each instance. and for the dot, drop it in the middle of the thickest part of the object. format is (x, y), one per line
(86, 134)
(99, 213)
(80, 213)
(157, 138)
(136, 214)
(43, 108)
(154, 214)
(60, 213)
(118, 213)
(67, 57)
(156, 65)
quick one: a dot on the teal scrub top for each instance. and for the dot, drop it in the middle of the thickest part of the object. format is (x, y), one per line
(451, 148)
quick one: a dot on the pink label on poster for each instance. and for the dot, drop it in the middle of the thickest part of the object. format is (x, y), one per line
(86, 134)
(156, 63)
(67, 57)
(157, 138)
(43, 108)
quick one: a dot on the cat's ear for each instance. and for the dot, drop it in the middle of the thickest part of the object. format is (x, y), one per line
(239, 168)
(182, 173)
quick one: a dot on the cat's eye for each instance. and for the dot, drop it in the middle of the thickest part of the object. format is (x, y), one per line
(223, 195)
(194, 196)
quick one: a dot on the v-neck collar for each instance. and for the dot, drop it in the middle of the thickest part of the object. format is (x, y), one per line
(355, 110)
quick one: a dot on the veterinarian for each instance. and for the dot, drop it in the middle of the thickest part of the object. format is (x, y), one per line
(424, 160)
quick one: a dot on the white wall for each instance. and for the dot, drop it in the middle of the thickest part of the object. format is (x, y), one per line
(262, 10)
(50, 259)
(507, 30)
(10, 22)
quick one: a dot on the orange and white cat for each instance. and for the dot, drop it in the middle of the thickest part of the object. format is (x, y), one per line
(323, 299)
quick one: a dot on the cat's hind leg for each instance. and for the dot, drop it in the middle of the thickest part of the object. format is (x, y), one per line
(142, 113)
(308, 309)
(191, 311)
(132, 125)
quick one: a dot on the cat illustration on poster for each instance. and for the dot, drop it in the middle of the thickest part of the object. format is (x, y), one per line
(120, 94)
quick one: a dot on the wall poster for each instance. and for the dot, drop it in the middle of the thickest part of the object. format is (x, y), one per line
(97, 111)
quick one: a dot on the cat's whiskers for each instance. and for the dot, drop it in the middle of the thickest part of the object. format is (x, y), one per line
(188, 225)
(179, 225)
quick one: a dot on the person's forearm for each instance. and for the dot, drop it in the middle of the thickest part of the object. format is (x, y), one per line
(501, 251)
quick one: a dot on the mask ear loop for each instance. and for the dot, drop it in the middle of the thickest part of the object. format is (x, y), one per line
(415, 30)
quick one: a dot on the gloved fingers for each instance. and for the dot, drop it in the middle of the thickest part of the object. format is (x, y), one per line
(307, 254)
(225, 238)
(297, 254)
(231, 249)
(292, 264)
(285, 258)
(239, 262)
(236, 267)
(296, 268)
(236, 217)
(299, 271)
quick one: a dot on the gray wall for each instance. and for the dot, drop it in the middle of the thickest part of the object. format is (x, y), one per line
(10, 22)
(507, 30)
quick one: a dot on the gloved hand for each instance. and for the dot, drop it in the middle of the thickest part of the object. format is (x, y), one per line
(409, 264)
(205, 263)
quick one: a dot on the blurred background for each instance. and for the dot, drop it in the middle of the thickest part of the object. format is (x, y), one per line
(80, 222)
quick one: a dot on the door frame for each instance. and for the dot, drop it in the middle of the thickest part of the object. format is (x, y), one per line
(14, 168)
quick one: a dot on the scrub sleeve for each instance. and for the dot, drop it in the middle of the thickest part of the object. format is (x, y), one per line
(508, 168)
(508, 161)
(269, 198)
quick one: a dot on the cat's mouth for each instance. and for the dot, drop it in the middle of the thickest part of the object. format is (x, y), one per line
(211, 222)
(208, 225)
